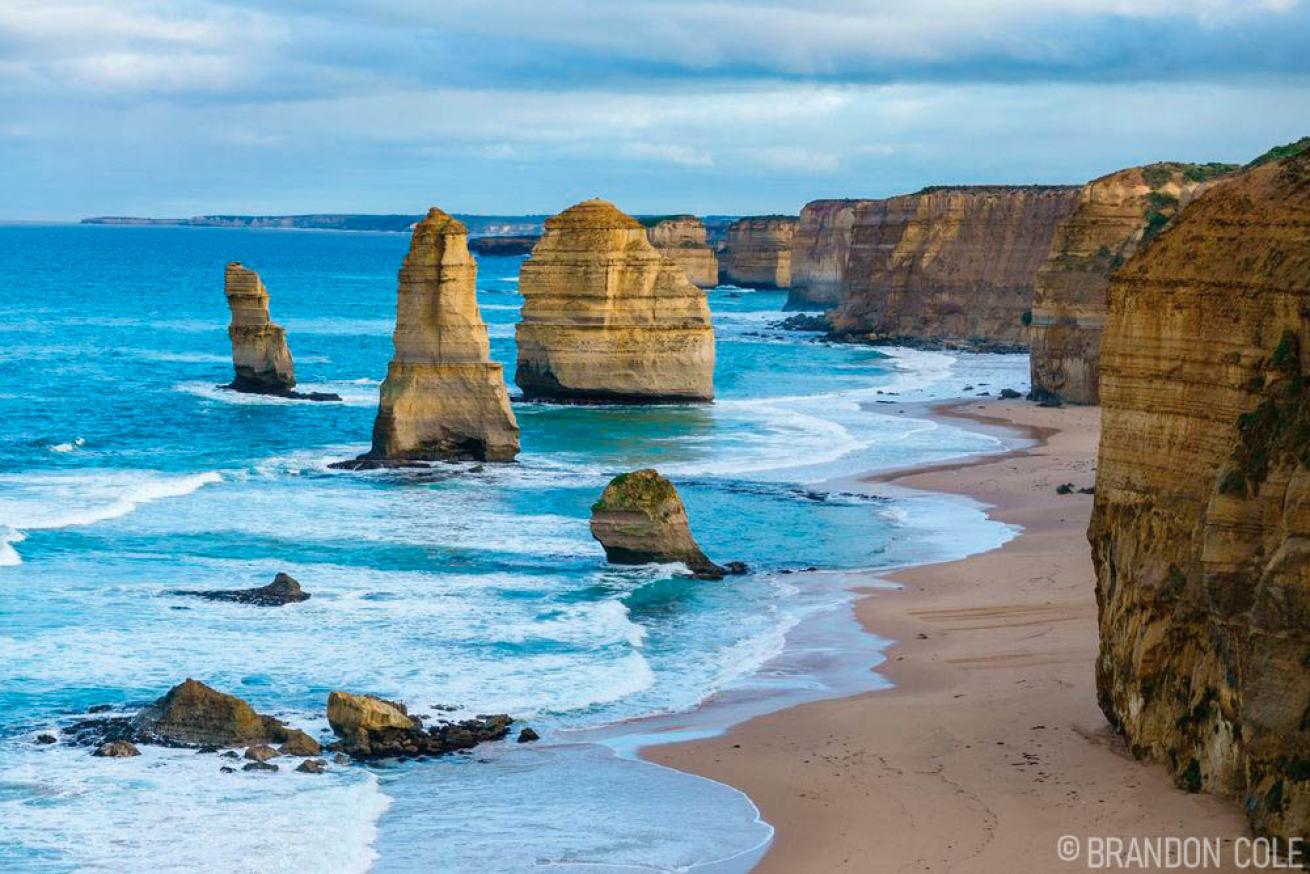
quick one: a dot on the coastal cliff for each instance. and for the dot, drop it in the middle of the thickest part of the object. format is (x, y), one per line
(607, 318)
(951, 265)
(260, 354)
(818, 253)
(1201, 528)
(757, 252)
(681, 238)
(443, 396)
(1117, 214)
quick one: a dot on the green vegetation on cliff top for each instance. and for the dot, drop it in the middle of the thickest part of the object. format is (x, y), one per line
(1277, 153)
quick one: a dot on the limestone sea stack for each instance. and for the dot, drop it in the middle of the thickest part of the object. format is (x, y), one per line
(1200, 530)
(443, 396)
(953, 266)
(640, 519)
(1117, 214)
(818, 253)
(681, 238)
(607, 318)
(757, 252)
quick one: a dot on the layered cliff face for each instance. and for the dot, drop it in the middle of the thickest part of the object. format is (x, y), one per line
(757, 252)
(949, 264)
(607, 318)
(1116, 215)
(1201, 527)
(259, 347)
(818, 253)
(681, 239)
(443, 396)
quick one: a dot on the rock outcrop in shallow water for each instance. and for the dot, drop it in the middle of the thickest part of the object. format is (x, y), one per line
(373, 728)
(757, 252)
(1118, 213)
(818, 253)
(443, 396)
(640, 519)
(284, 590)
(260, 354)
(1201, 529)
(681, 239)
(607, 318)
(949, 265)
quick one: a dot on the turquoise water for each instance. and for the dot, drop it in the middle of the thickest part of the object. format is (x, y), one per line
(125, 473)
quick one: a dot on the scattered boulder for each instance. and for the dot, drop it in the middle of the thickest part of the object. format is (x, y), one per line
(259, 766)
(527, 735)
(227, 769)
(284, 589)
(46, 739)
(640, 519)
(261, 753)
(117, 749)
(1064, 489)
(193, 714)
(312, 766)
(373, 728)
(1009, 394)
(300, 744)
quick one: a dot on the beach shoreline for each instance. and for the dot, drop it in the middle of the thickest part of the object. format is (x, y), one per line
(990, 746)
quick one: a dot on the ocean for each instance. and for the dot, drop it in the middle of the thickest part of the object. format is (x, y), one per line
(125, 473)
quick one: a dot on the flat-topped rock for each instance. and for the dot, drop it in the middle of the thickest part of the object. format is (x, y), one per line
(607, 318)
(757, 252)
(682, 239)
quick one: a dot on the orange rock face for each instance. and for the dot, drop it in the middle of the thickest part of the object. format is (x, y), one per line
(949, 264)
(1116, 214)
(259, 348)
(608, 318)
(1201, 527)
(818, 253)
(443, 396)
(681, 239)
(757, 252)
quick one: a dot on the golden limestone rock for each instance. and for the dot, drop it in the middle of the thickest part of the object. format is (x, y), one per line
(1117, 214)
(607, 318)
(818, 253)
(443, 397)
(259, 347)
(757, 252)
(1200, 531)
(681, 238)
(640, 519)
(950, 265)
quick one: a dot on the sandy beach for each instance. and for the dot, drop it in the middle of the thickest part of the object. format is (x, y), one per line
(991, 746)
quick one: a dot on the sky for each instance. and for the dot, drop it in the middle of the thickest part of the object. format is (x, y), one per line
(185, 107)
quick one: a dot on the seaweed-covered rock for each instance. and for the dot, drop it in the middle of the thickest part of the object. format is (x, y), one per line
(640, 519)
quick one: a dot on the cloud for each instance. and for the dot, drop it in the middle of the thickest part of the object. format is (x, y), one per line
(670, 153)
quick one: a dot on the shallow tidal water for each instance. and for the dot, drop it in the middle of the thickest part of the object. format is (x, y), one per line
(125, 472)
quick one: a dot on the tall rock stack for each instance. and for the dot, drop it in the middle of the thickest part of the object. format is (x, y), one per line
(1118, 213)
(681, 238)
(950, 265)
(757, 252)
(1200, 531)
(818, 253)
(259, 347)
(443, 396)
(606, 318)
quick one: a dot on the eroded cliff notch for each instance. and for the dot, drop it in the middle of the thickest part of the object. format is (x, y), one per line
(949, 265)
(607, 318)
(1201, 528)
(443, 396)
(1117, 214)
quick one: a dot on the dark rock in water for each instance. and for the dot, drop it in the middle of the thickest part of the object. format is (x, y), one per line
(341, 759)
(363, 463)
(1009, 394)
(1089, 490)
(736, 568)
(312, 766)
(261, 753)
(230, 754)
(118, 749)
(527, 735)
(1064, 489)
(258, 766)
(805, 322)
(373, 728)
(283, 590)
(100, 708)
(46, 739)
(227, 769)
